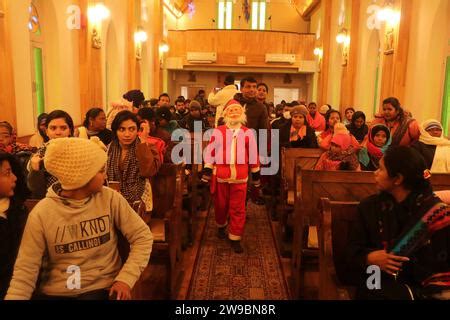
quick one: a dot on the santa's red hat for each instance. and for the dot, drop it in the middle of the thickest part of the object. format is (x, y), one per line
(232, 103)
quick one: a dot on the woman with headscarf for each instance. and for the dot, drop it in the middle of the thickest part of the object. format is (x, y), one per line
(404, 129)
(378, 142)
(332, 118)
(358, 127)
(40, 137)
(434, 147)
(297, 133)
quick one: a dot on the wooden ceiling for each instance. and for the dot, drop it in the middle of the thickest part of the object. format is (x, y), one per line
(305, 7)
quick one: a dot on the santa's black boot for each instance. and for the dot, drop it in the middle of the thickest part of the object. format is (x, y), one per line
(236, 245)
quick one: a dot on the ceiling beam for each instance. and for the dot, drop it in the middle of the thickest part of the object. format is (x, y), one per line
(305, 7)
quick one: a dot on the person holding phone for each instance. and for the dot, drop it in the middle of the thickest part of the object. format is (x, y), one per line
(132, 160)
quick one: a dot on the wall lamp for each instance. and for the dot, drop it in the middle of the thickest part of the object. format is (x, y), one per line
(140, 37)
(97, 14)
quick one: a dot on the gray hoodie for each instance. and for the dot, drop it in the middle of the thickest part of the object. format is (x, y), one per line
(79, 238)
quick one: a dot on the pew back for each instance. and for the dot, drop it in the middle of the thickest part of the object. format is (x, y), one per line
(336, 218)
(166, 221)
(292, 157)
(336, 186)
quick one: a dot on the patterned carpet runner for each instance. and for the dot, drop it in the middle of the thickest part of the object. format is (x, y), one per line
(221, 274)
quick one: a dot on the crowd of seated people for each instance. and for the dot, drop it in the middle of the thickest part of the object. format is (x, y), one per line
(133, 139)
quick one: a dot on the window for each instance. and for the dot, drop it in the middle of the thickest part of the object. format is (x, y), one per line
(286, 94)
(446, 101)
(225, 14)
(259, 14)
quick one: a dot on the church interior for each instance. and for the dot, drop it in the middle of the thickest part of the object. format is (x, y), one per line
(316, 81)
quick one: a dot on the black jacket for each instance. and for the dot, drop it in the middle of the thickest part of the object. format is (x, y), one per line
(360, 133)
(11, 230)
(188, 123)
(426, 150)
(280, 122)
(308, 141)
(395, 218)
(257, 117)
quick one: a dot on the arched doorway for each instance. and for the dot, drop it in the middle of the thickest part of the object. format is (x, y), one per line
(45, 56)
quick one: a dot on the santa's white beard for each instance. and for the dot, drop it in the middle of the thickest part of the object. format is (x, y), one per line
(235, 121)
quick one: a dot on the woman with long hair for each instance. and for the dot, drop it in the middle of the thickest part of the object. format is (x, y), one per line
(404, 129)
(59, 124)
(404, 230)
(94, 125)
(132, 160)
(357, 126)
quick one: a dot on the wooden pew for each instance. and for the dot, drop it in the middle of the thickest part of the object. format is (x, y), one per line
(191, 193)
(166, 222)
(290, 157)
(333, 230)
(335, 220)
(337, 186)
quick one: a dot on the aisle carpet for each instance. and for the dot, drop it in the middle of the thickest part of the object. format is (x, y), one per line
(221, 274)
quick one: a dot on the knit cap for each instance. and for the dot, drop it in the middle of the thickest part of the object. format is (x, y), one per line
(341, 136)
(299, 110)
(75, 161)
(195, 105)
(324, 109)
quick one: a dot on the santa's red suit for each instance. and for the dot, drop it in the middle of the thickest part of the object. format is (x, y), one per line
(231, 154)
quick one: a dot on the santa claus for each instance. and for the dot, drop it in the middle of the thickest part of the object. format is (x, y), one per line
(230, 155)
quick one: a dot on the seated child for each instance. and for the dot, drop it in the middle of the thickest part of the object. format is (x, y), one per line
(379, 140)
(13, 191)
(75, 229)
(342, 154)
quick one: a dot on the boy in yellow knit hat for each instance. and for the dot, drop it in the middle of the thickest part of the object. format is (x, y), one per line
(75, 229)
